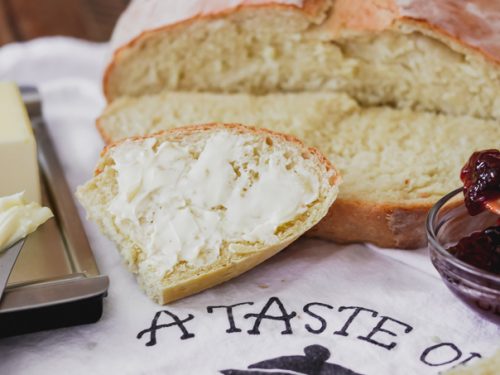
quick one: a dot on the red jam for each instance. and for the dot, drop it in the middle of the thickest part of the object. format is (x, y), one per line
(480, 249)
(481, 178)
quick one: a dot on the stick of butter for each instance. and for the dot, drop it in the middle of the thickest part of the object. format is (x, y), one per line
(19, 218)
(18, 160)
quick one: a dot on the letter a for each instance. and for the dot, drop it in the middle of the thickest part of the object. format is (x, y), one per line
(155, 326)
(285, 317)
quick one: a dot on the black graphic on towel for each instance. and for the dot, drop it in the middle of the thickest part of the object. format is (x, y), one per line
(313, 363)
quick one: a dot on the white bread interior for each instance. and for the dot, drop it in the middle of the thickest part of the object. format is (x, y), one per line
(233, 256)
(268, 49)
(383, 154)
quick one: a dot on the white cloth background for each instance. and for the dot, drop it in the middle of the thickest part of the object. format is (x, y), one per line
(399, 285)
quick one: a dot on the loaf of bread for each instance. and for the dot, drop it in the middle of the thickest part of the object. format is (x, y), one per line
(395, 163)
(433, 55)
(190, 208)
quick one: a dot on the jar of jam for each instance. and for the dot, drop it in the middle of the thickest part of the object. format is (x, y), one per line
(464, 236)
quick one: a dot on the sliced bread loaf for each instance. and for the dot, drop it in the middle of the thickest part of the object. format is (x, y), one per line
(190, 208)
(395, 163)
(432, 55)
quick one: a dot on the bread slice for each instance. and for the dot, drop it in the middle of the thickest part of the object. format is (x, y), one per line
(395, 163)
(193, 207)
(439, 56)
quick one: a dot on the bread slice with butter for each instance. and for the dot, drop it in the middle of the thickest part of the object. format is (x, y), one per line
(395, 163)
(193, 207)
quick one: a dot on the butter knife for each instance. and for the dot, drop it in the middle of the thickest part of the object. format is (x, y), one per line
(7, 260)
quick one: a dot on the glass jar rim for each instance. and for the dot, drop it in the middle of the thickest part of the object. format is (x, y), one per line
(432, 238)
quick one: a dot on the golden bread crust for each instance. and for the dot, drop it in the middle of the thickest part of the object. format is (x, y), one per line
(473, 24)
(141, 16)
(385, 225)
(219, 275)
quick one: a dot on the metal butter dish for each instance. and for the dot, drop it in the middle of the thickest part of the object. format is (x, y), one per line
(55, 282)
